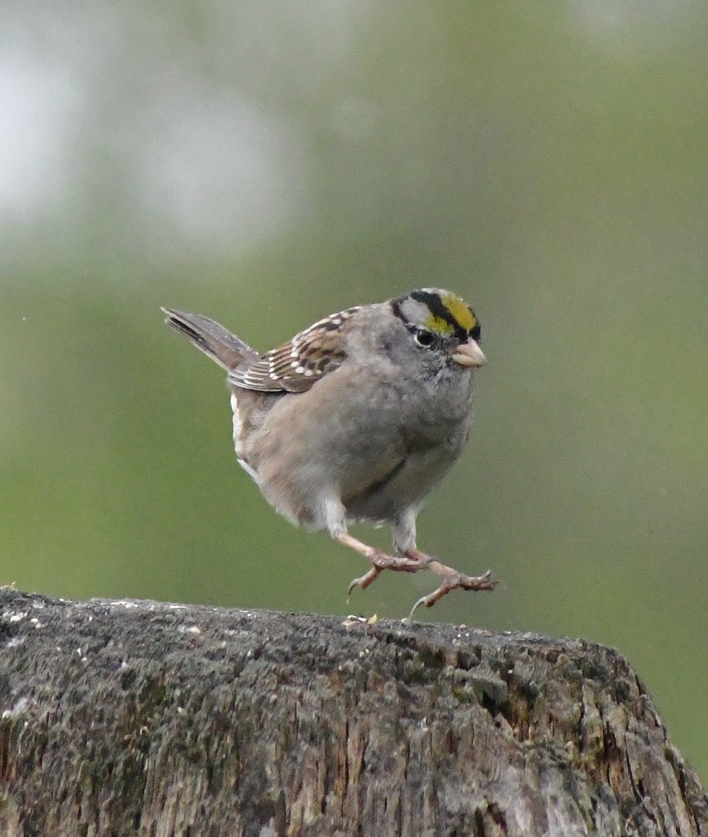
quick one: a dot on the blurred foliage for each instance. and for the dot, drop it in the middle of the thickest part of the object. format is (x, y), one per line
(269, 163)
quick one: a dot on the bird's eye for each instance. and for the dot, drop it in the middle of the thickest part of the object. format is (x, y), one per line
(423, 337)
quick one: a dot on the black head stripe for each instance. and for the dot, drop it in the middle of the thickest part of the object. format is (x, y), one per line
(439, 309)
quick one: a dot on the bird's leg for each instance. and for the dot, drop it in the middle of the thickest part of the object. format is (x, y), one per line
(379, 561)
(451, 579)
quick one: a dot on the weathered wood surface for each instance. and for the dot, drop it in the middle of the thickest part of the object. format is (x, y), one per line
(122, 718)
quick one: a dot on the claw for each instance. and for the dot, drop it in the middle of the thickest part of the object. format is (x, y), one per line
(465, 582)
(407, 620)
(363, 581)
(477, 582)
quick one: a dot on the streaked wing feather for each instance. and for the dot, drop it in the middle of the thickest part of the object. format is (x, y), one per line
(297, 365)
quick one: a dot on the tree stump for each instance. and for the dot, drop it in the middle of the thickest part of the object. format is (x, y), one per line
(138, 718)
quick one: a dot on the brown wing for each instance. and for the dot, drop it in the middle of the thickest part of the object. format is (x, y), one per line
(297, 365)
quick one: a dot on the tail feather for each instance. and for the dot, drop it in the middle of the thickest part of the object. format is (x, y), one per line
(213, 339)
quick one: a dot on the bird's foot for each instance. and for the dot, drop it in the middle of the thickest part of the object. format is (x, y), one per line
(382, 561)
(411, 561)
(452, 580)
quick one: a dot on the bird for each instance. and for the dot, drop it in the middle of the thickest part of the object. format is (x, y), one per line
(356, 419)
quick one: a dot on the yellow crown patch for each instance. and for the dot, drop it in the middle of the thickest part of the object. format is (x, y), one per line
(459, 310)
(440, 312)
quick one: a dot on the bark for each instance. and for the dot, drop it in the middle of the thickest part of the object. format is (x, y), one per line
(139, 718)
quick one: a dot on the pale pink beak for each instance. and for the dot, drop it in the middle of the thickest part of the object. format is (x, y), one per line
(469, 354)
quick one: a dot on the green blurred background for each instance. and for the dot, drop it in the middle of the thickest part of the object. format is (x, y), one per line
(269, 163)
